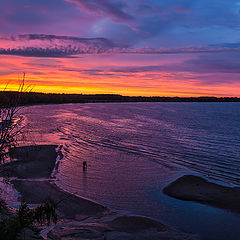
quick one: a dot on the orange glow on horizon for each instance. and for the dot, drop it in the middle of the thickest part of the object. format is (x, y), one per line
(108, 75)
(133, 92)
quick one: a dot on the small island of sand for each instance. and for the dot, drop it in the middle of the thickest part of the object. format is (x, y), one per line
(198, 189)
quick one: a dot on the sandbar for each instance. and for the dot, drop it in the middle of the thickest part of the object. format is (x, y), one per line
(198, 189)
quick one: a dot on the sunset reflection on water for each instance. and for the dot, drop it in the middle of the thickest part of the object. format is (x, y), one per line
(134, 149)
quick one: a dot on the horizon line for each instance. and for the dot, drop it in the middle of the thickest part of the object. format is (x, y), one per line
(120, 95)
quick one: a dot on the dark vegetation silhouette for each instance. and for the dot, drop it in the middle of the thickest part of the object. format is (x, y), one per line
(29, 98)
(13, 225)
(9, 122)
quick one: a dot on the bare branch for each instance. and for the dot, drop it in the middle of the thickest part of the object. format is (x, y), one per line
(9, 124)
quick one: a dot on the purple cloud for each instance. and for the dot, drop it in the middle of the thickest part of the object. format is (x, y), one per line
(43, 37)
(42, 45)
(221, 62)
(104, 8)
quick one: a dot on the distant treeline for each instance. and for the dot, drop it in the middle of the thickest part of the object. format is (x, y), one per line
(52, 98)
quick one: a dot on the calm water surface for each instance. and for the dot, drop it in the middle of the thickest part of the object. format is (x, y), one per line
(133, 150)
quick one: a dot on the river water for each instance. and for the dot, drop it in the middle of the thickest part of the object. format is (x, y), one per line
(133, 150)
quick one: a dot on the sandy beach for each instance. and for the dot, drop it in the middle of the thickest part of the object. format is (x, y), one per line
(79, 218)
(198, 189)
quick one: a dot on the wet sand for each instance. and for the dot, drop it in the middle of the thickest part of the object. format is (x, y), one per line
(198, 189)
(78, 218)
(30, 162)
(70, 206)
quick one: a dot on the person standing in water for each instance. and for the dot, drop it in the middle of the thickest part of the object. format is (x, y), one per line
(84, 165)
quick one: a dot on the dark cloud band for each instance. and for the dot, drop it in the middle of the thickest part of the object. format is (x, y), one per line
(41, 45)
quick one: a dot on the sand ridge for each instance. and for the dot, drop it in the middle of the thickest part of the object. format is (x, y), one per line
(198, 189)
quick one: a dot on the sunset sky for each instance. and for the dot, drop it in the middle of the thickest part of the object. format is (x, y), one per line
(137, 47)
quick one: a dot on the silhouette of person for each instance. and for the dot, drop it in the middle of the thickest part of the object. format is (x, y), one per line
(84, 165)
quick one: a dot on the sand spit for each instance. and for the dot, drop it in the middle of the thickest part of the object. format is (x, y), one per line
(198, 189)
(78, 218)
(34, 162)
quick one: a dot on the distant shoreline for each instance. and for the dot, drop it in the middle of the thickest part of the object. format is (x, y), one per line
(32, 98)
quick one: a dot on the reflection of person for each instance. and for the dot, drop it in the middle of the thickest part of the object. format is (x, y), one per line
(84, 165)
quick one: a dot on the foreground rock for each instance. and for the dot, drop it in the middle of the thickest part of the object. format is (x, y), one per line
(120, 228)
(195, 188)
